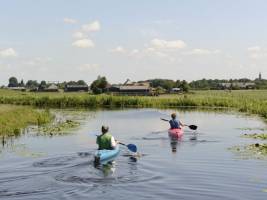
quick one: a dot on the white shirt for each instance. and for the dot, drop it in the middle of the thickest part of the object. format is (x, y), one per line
(113, 142)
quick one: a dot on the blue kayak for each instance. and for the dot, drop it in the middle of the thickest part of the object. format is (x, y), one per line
(103, 156)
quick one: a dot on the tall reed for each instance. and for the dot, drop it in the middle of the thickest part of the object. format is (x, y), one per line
(250, 101)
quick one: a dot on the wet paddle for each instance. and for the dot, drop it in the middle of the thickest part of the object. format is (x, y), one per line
(193, 127)
(131, 147)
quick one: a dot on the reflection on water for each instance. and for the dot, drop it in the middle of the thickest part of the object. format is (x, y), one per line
(174, 143)
(200, 166)
(108, 169)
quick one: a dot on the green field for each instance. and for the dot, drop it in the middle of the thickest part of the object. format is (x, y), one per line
(250, 101)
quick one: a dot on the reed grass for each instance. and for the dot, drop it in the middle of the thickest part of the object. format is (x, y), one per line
(249, 101)
(15, 118)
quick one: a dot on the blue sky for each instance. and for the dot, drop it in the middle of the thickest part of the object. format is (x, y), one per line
(141, 39)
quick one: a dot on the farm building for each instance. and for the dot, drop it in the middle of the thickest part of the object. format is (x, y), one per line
(135, 90)
(17, 88)
(131, 90)
(240, 85)
(176, 90)
(76, 88)
(50, 88)
(113, 88)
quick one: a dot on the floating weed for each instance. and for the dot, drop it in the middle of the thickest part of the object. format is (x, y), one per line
(59, 128)
(252, 129)
(256, 151)
(262, 136)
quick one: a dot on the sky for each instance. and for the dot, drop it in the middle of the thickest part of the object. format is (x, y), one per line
(59, 40)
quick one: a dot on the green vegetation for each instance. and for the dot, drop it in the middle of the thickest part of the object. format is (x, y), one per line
(258, 151)
(15, 118)
(167, 84)
(262, 136)
(99, 85)
(58, 128)
(250, 101)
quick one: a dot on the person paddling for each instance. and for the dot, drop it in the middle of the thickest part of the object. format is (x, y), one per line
(106, 140)
(174, 123)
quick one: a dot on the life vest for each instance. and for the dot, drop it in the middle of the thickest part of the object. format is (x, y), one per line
(174, 124)
(104, 141)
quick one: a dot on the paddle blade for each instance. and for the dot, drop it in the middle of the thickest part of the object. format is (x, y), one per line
(132, 147)
(193, 127)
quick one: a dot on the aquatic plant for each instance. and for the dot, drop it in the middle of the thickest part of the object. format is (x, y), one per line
(262, 136)
(258, 151)
(58, 128)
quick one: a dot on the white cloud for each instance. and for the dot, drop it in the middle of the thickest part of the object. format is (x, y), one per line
(256, 52)
(89, 67)
(158, 53)
(134, 52)
(91, 27)
(10, 52)
(254, 48)
(83, 43)
(118, 49)
(38, 61)
(258, 55)
(79, 35)
(69, 21)
(202, 52)
(149, 50)
(167, 44)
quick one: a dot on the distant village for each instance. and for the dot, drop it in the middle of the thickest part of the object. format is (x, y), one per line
(150, 87)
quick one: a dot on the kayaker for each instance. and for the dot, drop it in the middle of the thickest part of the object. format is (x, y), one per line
(106, 140)
(174, 123)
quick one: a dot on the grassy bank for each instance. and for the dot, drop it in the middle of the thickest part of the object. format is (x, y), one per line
(250, 101)
(15, 118)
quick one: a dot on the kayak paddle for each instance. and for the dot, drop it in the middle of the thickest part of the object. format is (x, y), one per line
(193, 127)
(131, 147)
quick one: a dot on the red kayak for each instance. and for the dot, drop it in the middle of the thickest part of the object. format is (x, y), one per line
(176, 132)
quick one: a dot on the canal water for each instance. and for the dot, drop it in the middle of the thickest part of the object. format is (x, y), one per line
(199, 166)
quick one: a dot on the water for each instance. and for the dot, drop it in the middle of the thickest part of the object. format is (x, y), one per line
(61, 167)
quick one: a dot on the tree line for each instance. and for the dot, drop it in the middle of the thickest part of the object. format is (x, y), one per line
(100, 84)
(13, 82)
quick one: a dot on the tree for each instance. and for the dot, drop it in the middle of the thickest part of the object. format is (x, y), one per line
(99, 85)
(13, 82)
(42, 85)
(21, 84)
(32, 84)
(164, 83)
(81, 82)
(184, 86)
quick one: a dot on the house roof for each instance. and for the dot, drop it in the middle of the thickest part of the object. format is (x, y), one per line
(134, 87)
(52, 87)
(77, 86)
